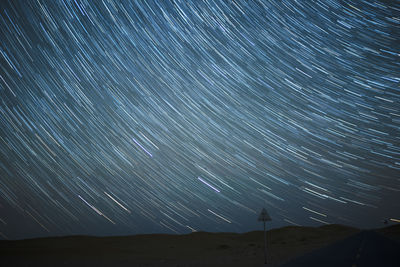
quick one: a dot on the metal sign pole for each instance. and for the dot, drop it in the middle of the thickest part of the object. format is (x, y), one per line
(265, 245)
(263, 218)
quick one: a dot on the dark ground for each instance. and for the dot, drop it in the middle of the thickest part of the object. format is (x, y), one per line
(364, 249)
(203, 249)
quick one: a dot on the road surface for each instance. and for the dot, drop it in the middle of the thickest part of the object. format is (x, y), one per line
(365, 249)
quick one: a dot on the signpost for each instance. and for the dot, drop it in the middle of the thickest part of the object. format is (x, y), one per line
(264, 216)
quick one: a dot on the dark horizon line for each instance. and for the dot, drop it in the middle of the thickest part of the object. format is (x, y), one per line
(201, 232)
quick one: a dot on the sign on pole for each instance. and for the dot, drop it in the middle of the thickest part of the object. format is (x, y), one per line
(264, 217)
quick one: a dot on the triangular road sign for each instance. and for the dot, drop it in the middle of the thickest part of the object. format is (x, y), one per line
(264, 216)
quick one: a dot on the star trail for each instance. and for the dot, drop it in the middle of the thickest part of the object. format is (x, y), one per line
(129, 117)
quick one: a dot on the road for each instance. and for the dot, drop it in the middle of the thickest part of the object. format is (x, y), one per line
(365, 249)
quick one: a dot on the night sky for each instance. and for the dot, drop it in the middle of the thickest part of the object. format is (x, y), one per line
(122, 118)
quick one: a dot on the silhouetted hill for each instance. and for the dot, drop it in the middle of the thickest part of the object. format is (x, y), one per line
(195, 249)
(392, 232)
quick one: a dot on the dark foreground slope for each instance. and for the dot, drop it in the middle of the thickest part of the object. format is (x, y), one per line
(364, 249)
(392, 232)
(196, 249)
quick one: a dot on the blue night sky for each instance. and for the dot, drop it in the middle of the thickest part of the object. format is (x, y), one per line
(130, 117)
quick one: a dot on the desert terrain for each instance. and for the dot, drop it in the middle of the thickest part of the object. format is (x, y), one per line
(195, 249)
